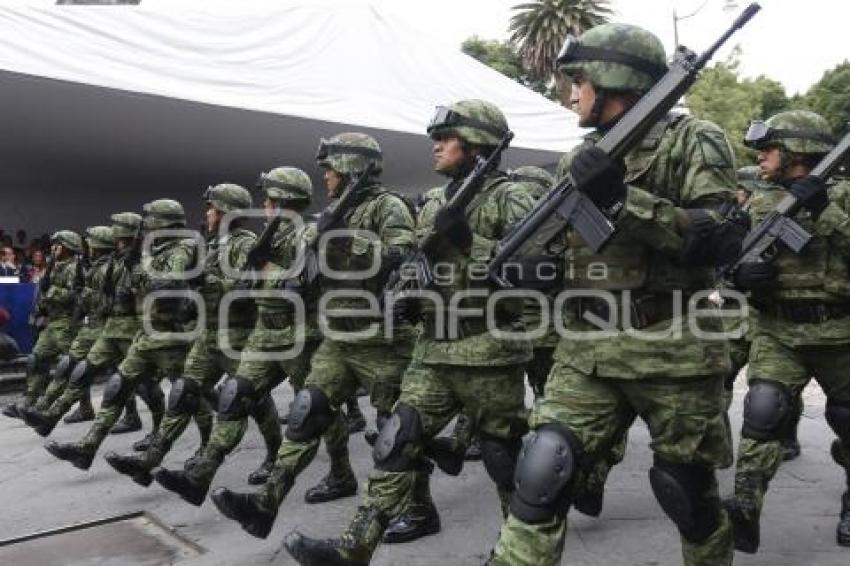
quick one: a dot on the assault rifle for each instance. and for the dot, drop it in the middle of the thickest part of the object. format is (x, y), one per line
(417, 270)
(779, 225)
(261, 251)
(333, 217)
(107, 287)
(564, 205)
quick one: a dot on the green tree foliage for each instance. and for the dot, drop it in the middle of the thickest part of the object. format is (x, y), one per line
(503, 57)
(538, 28)
(723, 97)
(830, 97)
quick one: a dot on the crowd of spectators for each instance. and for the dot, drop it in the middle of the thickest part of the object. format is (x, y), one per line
(26, 259)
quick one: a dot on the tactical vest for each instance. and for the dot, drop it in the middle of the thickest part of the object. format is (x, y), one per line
(817, 273)
(93, 301)
(163, 312)
(216, 283)
(58, 303)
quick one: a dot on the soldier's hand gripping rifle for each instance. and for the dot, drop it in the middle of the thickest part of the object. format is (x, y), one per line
(564, 205)
(416, 272)
(779, 225)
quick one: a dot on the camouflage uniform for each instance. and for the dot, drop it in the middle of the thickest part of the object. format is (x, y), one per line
(57, 304)
(150, 356)
(261, 367)
(100, 241)
(598, 387)
(381, 225)
(473, 371)
(192, 394)
(802, 330)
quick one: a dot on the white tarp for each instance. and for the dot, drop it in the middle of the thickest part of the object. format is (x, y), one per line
(333, 63)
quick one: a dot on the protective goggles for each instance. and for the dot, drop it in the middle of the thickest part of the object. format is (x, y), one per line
(444, 118)
(573, 50)
(759, 135)
(325, 149)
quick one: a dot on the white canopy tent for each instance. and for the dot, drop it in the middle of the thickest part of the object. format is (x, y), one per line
(104, 108)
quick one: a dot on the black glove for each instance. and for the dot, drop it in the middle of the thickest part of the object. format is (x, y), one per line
(599, 177)
(454, 228)
(811, 193)
(713, 242)
(755, 276)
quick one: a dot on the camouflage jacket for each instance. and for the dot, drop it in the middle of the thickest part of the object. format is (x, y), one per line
(681, 163)
(92, 299)
(819, 274)
(169, 260)
(230, 251)
(498, 205)
(58, 302)
(381, 227)
(122, 320)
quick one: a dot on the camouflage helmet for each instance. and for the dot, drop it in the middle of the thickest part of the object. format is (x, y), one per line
(477, 122)
(100, 237)
(228, 197)
(532, 174)
(795, 131)
(164, 213)
(125, 224)
(618, 57)
(349, 153)
(68, 239)
(286, 184)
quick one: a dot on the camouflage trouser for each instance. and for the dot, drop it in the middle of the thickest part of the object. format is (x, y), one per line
(148, 360)
(337, 370)
(685, 422)
(104, 353)
(261, 364)
(52, 342)
(492, 397)
(772, 361)
(83, 341)
(537, 371)
(205, 365)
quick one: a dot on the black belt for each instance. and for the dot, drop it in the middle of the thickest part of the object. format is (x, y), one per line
(806, 313)
(644, 311)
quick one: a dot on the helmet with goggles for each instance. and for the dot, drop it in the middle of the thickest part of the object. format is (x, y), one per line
(477, 122)
(350, 153)
(796, 131)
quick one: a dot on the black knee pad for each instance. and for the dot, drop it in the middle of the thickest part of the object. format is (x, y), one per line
(184, 397)
(236, 399)
(838, 418)
(310, 415)
(402, 428)
(545, 473)
(767, 408)
(63, 368)
(499, 456)
(82, 374)
(681, 491)
(115, 391)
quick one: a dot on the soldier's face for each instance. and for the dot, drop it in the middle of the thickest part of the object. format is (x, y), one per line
(333, 182)
(270, 207)
(770, 163)
(56, 250)
(213, 218)
(449, 155)
(582, 97)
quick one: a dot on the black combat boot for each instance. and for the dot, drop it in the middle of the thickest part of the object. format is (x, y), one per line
(353, 548)
(130, 422)
(247, 509)
(743, 510)
(83, 413)
(419, 519)
(842, 532)
(12, 411)
(41, 422)
(331, 489)
(183, 484)
(79, 454)
(261, 474)
(138, 466)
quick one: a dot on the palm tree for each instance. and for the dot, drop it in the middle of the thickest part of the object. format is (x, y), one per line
(539, 28)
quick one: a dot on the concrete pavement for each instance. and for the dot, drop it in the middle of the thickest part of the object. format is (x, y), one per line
(39, 493)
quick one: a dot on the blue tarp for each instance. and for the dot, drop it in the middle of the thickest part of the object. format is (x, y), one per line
(17, 298)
